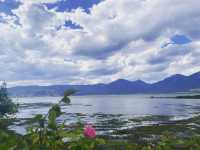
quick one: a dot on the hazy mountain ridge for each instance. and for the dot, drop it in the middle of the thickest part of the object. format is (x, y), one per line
(175, 83)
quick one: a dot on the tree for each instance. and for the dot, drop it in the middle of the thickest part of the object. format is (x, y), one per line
(6, 104)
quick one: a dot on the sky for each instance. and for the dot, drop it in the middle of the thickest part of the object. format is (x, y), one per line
(44, 42)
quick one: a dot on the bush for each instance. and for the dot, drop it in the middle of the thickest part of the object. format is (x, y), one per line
(6, 104)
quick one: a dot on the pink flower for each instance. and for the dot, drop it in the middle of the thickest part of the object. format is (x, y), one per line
(89, 131)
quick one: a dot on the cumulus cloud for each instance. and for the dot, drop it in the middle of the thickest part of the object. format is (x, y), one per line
(129, 39)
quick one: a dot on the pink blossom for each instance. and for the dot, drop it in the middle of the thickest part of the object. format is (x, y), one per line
(89, 131)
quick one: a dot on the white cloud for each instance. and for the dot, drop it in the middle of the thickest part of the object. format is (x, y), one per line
(119, 39)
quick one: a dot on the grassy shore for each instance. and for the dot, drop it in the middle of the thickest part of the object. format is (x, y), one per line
(183, 134)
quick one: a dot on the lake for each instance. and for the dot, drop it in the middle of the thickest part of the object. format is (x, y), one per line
(110, 112)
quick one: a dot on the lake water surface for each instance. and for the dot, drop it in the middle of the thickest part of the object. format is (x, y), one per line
(110, 112)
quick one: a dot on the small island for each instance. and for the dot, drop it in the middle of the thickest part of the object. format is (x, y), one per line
(181, 97)
(189, 97)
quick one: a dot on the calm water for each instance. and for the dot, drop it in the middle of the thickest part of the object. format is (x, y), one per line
(104, 110)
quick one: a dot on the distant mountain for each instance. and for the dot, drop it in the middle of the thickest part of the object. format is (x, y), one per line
(175, 83)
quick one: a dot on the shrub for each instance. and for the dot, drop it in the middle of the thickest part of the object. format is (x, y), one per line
(6, 104)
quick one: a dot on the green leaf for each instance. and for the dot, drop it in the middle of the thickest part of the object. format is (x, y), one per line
(52, 120)
(66, 100)
(37, 119)
(69, 92)
(55, 109)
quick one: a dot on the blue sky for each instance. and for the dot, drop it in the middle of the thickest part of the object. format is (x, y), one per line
(97, 41)
(8, 5)
(69, 5)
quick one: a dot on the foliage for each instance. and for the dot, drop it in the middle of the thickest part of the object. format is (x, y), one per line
(67, 93)
(6, 104)
(11, 141)
(86, 144)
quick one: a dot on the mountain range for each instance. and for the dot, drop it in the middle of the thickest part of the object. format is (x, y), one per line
(172, 84)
